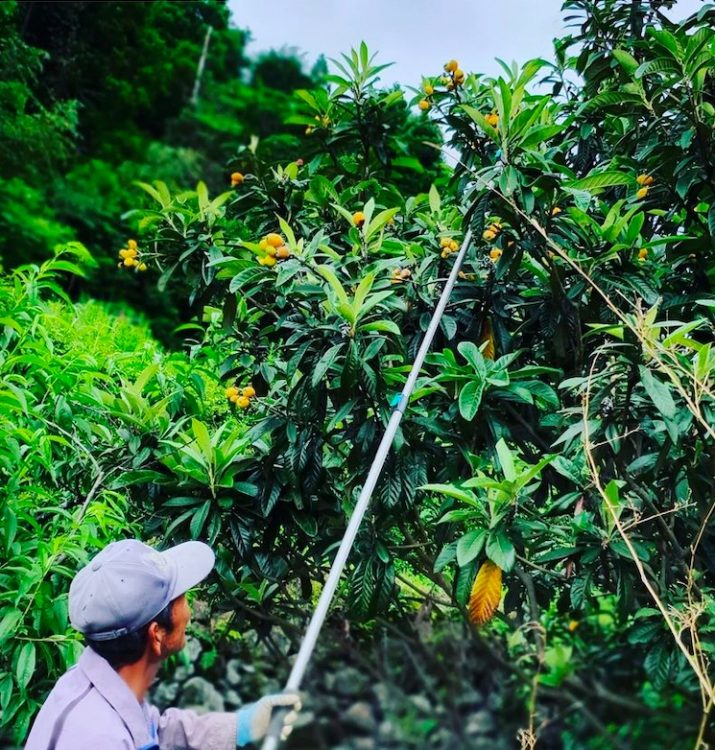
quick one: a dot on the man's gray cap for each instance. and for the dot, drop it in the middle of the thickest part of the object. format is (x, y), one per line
(128, 583)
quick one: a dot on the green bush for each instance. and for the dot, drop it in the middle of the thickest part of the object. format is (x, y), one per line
(86, 395)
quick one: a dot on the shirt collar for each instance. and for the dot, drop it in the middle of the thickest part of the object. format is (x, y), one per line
(118, 694)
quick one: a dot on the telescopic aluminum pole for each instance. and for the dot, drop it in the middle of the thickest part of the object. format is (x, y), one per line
(316, 623)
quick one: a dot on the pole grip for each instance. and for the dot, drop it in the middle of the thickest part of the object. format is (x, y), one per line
(273, 735)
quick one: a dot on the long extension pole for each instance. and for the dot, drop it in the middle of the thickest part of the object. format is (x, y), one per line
(316, 622)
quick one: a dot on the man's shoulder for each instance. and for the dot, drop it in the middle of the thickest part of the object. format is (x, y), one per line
(75, 716)
(93, 723)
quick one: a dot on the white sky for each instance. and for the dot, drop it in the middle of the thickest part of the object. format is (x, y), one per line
(419, 36)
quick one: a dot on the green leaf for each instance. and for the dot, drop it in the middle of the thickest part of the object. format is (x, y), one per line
(533, 471)
(202, 194)
(463, 582)
(659, 393)
(610, 99)
(509, 180)
(506, 461)
(8, 624)
(382, 326)
(199, 519)
(434, 200)
(374, 300)
(448, 553)
(600, 180)
(145, 376)
(538, 134)
(470, 351)
(661, 65)
(25, 665)
(287, 231)
(470, 545)
(361, 293)
(343, 302)
(626, 60)
(470, 397)
(500, 550)
(324, 363)
(152, 191)
(668, 41)
(480, 119)
(379, 221)
(408, 162)
(203, 439)
(6, 691)
(658, 665)
(451, 491)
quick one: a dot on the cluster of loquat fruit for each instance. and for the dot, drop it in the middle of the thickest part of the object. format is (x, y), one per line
(645, 181)
(358, 219)
(237, 179)
(129, 257)
(490, 234)
(453, 80)
(323, 122)
(455, 77)
(448, 246)
(399, 275)
(274, 249)
(241, 397)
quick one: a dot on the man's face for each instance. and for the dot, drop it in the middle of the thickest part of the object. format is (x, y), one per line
(180, 615)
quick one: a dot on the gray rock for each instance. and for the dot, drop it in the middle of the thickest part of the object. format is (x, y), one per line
(381, 693)
(479, 723)
(495, 701)
(422, 704)
(192, 649)
(233, 672)
(387, 731)
(165, 693)
(232, 699)
(201, 694)
(363, 743)
(482, 744)
(360, 717)
(470, 699)
(347, 682)
(182, 673)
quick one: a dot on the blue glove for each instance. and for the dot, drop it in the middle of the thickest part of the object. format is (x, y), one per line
(253, 720)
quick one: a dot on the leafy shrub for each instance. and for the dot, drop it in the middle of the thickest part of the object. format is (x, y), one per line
(85, 395)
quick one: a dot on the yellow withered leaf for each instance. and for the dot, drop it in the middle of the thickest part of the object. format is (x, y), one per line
(489, 350)
(486, 593)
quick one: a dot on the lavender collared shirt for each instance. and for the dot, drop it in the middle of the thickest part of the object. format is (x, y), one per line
(92, 708)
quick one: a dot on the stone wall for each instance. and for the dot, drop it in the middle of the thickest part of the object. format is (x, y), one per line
(386, 693)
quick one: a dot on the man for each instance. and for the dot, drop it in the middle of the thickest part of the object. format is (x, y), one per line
(130, 604)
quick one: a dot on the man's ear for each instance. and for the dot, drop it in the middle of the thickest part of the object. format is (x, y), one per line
(155, 640)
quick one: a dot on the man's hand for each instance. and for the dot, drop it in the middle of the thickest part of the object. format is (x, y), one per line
(253, 720)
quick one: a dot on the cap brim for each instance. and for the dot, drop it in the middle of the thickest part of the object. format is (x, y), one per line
(193, 562)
